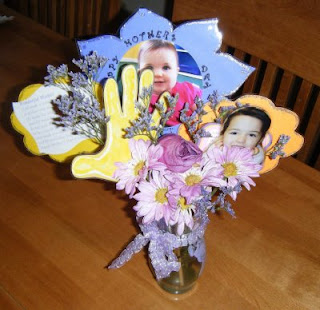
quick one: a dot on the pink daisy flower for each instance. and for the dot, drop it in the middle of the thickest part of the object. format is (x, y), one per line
(238, 166)
(189, 183)
(152, 199)
(144, 158)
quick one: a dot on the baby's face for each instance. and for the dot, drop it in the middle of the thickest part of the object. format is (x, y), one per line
(243, 131)
(163, 63)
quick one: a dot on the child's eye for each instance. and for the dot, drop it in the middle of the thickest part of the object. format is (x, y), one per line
(166, 68)
(232, 133)
(252, 135)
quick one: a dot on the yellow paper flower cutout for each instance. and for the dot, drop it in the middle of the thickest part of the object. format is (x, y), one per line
(283, 122)
(29, 141)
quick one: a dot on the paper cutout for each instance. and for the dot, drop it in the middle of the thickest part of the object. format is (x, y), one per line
(116, 148)
(283, 122)
(33, 117)
(221, 75)
(220, 72)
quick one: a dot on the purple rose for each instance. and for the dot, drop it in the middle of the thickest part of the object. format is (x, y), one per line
(178, 154)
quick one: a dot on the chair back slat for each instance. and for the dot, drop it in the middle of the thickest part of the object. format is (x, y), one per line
(310, 150)
(34, 9)
(70, 15)
(61, 20)
(97, 16)
(80, 26)
(268, 80)
(249, 85)
(284, 92)
(239, 54)
(89, 7)
(317, 164)
(303, 98)
(223, 47)
(43, 12)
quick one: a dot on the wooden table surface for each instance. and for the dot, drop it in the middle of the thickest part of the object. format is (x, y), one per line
(58, 234)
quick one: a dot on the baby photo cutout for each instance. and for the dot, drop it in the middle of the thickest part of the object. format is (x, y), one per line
(253, 122)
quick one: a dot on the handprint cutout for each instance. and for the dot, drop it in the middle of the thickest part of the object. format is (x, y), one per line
(116, 148)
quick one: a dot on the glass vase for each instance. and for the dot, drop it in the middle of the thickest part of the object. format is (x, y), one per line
(192, 259)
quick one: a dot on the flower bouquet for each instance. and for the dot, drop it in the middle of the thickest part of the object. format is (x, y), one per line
(177, 174)
(176, 184)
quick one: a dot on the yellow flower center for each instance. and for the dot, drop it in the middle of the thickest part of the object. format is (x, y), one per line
(161, 195)
(192, 179)
(138, 167)
(230, 170)
(182, 203)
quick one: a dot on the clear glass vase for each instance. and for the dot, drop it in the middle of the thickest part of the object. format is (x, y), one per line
(192, 262)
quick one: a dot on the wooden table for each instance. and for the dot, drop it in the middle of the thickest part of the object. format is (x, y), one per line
(58, 234)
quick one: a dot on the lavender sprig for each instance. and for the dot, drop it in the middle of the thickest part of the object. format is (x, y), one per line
(80, 110)
(213, 100)
(144, 124)
(166, 110)
(82, 115)
(84, 80)
(193, 121)
(220, 203)
(57, 76)
(224, 112)
(277, 150)
(91, 64)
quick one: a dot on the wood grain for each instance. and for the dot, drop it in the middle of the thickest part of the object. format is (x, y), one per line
(57, 234)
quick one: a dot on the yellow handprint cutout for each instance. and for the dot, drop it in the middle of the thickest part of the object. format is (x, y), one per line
(116, 148)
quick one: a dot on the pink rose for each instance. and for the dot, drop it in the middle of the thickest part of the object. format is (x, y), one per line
(178, 154)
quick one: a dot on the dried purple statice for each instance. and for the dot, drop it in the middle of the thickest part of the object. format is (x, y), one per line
(144, 125)
(221, 203)
(83, 115)
(193, 121)
(80, 110)
(277, 150)
(213, 100)
(224, 112)
(57, 76)
(90, 65)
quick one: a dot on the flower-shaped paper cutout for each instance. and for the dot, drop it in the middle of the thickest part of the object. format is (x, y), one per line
(220, 72)
(30, 142)
(116, 148)
(283, 122)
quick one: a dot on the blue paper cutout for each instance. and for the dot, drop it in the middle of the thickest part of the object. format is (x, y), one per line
(221, 73)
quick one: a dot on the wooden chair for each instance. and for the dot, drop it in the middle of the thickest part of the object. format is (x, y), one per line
(282, 40)
(71, 18)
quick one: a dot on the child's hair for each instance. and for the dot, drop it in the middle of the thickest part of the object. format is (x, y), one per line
(152, 45)
(253, 112)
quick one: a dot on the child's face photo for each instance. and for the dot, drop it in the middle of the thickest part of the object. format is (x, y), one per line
(163, 63)
(243, 131)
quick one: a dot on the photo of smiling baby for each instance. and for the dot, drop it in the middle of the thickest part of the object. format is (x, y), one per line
(162, 58)
(245, 127)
